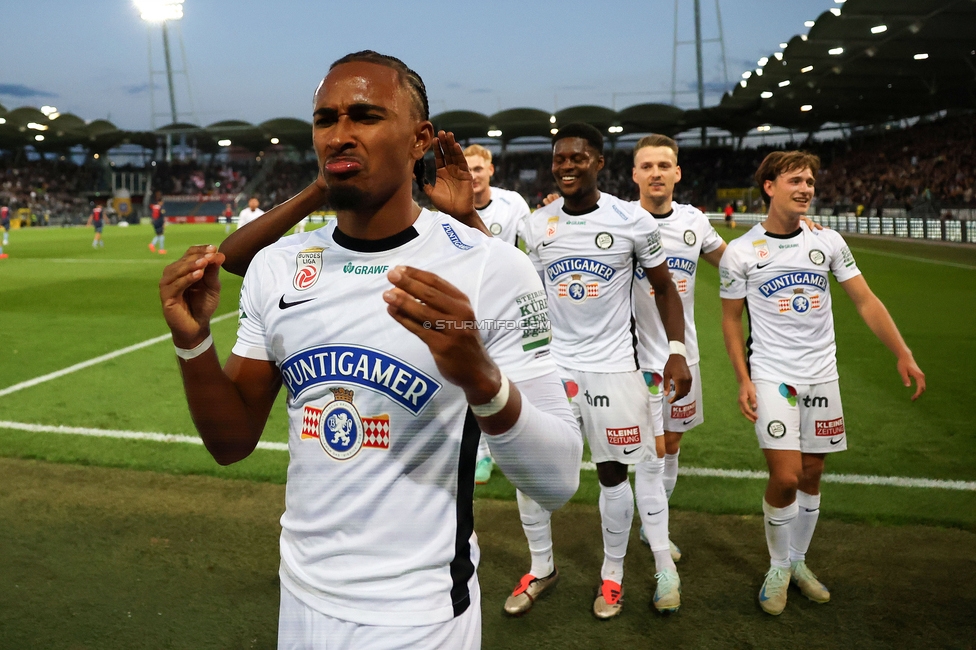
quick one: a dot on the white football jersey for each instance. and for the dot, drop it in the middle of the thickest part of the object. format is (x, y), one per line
(378, 523)
(248, 215)
(783, 279)
(587, 263)
(504, 215)
(686, 233)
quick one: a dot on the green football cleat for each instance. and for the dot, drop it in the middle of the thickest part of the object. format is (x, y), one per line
(808, 583)
(772, 596)
(667, 596)
(482, 471)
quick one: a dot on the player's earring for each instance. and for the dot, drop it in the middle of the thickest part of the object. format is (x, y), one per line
(420, 173)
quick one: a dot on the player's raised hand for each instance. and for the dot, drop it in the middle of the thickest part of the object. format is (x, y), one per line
(747, 400)
(549, 198)
(190, 291)
(453, 192)
(442, 316)
(909, 370)
(676, 370)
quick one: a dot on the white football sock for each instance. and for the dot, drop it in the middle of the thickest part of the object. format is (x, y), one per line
(670, 472)
(483, 451)
(616, 517)
(652, 503)
(801, 531)
(538, 532)
(778, 522)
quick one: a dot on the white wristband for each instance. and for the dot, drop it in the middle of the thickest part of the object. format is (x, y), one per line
(677, 347)
(186, 355)
(495, 405)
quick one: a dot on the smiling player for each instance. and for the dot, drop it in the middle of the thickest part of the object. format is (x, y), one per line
(788, 382)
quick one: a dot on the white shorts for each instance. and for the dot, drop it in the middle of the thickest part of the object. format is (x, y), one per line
(614, 414)
(803, 417)
(685, 414)
(302, 628)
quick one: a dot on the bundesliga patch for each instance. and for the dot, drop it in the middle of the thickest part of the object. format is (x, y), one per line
(309, 263)
(683, 412)
(551, 224)
(829, 428)
(340, 429)
(627, 436)
(761, 248)
(577, 290)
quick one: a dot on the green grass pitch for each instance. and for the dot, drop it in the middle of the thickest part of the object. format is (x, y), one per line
(155, 562)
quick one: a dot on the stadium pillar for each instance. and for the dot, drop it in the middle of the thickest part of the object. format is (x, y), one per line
(169, 72)
(698, 63)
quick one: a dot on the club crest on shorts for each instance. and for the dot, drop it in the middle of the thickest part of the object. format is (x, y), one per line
(817, 257)
(495, 228)
(690, 238)
(309, 267)
(604, 240)
(776, 429)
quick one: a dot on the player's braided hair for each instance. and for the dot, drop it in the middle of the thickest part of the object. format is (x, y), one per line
(581, 130)
(408, 78)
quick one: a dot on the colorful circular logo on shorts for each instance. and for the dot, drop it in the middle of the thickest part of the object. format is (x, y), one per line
(789, 393)
(571, 388)
(776, 429)
(653, 381)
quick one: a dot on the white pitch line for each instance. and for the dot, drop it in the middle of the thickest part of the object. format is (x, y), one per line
(89, 261)
(91, 362)
(856, 479)
(124, 435)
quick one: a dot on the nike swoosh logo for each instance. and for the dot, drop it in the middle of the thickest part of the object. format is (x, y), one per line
(651, 514)
(285, 305)
(688, 421)
(836, 442)
(628, 452)
(762, 595)
(762, 266)
(776, 525)
(546, 243)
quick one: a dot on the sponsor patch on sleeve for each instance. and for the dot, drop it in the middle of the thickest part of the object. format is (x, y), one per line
(534, 319)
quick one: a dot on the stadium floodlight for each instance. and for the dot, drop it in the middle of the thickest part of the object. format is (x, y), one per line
(275, 140)
(743, 83)
(835, 51)
(803, 37)
(758, 72)
(766, 94)
(784, 83)
(37, 127)
(809, 23)
(554, 130)
(616, 129)
(840, 2)
(778, 55)
(879, 29)
(39, 137)
(806, 107)
(3, 120)
(835, 11)
(763, 128)
(783, 46)
(763, 61)
(921, 56)
(807, 69)
(48, 110)
(747, 74)
(552, 119)
(159, 11)
(495, 133)
(223, 143)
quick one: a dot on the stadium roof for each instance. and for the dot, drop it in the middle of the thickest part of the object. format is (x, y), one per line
(862, 62)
